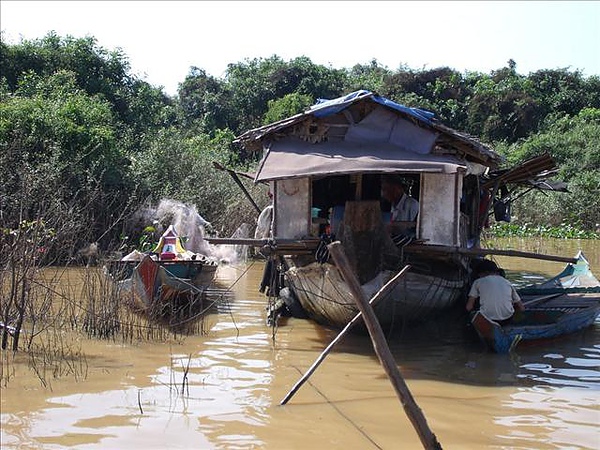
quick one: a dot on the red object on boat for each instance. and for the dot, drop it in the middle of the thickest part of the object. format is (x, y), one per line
(168, 250)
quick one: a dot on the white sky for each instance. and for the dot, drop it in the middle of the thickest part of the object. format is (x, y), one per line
(162, 39)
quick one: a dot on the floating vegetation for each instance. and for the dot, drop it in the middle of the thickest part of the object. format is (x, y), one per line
(562, 231)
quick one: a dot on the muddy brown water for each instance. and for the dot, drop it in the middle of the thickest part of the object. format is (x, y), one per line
(543, 397)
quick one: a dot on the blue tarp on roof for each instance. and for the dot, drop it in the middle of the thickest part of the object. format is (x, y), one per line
(373, 127)
(325, 107)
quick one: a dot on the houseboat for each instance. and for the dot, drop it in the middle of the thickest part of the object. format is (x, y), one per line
(326, 168)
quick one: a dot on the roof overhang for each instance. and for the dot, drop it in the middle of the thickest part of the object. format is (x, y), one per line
(294, 158)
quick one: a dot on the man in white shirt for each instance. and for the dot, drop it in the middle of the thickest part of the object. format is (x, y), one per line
(404, 207)
(498, 299)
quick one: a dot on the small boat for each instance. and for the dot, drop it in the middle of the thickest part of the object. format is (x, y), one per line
(158, 290)
(167, 280)
(562, 305)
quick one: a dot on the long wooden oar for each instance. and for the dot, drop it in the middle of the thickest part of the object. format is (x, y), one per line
(378, 296)
(542, 299)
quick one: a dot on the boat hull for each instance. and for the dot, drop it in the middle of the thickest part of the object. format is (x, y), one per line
(164, 288)
(566, 315)
(327, 299)
(199, 271)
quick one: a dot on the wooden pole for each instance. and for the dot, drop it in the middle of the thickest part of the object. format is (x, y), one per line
(542, 299)
(382, 350)
(239, 183)
(485, 251)
(299, 243)
(378, 296)
(238, 241)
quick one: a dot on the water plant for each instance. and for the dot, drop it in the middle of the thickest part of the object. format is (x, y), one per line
(563, 231)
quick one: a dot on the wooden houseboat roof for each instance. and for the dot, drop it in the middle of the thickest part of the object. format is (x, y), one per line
(363, 132)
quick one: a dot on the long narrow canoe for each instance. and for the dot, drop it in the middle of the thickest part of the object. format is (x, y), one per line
(562, 305)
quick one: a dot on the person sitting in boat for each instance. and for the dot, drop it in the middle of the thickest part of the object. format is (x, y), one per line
(405, 208)
(498, 298)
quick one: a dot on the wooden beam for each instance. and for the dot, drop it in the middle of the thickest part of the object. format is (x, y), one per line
(485, 251)
(283, 243)
(382, 350)
(239, 183)
(237, 241)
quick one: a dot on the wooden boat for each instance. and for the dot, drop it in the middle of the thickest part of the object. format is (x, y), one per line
(166, 280)
(562, 305)
(325, 169)
(160, 292)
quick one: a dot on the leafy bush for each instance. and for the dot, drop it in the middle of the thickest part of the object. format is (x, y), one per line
(574, 142)
(182, 167)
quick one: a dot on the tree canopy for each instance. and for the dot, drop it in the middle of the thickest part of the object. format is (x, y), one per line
(76, 127)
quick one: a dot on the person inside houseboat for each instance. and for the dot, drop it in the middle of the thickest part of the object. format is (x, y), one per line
(404, 208)
(498, 298)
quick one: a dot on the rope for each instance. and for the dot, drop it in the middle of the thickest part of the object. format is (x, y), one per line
(340, 412)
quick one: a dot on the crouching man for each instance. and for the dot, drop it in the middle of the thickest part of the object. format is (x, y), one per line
(498, 298)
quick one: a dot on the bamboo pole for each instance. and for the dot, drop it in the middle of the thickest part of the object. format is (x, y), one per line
(382, 350)
(485, 251)
(378, 296)
(239, 183)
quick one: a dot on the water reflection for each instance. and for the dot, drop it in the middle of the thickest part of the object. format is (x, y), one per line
(561, 403)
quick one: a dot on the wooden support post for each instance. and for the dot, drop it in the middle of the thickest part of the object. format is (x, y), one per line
(239, 183)
(380, 294)
(382, 350)
(490, 205)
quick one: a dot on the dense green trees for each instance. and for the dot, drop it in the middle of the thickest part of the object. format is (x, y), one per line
(204, 102)
(574, 142)
(286, 106)
(72, 120)
(78, 130)
(59, 144)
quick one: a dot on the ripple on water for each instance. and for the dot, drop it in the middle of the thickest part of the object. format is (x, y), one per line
(562, 402)
(581, 368)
